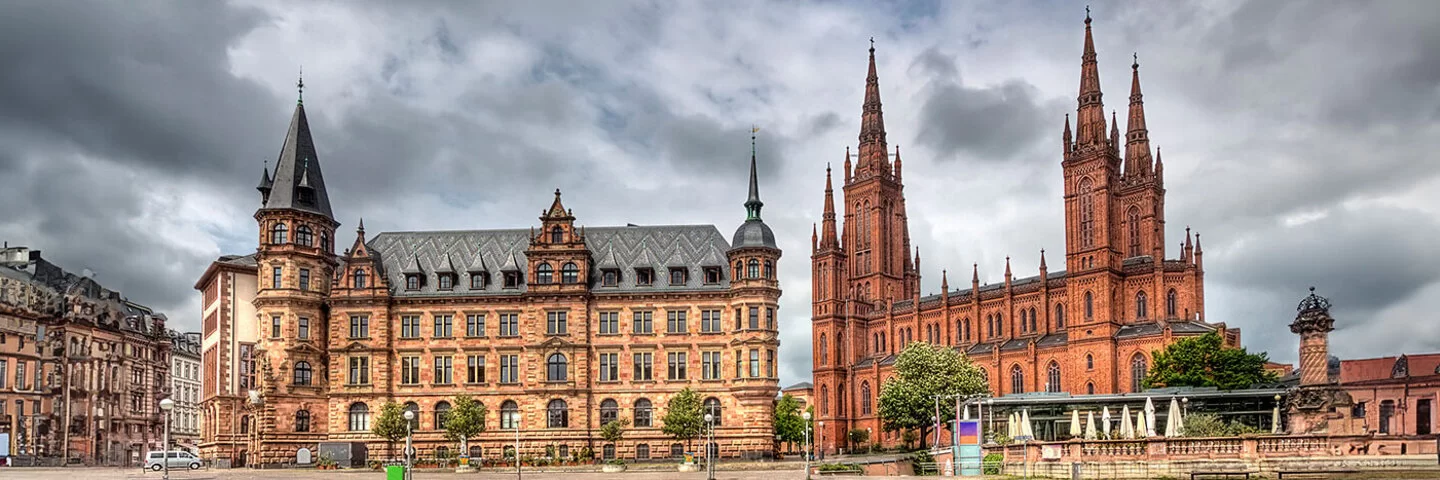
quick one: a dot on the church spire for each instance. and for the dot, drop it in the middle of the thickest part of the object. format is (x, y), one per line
(829, 240)
(753, 203)
(872, 126)
(1137, 146)
(1090, 116)
(1066, 139)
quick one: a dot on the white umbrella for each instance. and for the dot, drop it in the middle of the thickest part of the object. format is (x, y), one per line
(1105, 421)
(1025, 429)
(1275, 418)
(1090, 425)
(1075, 424)
(1142, 429)
(1149, 417)
(966, 413)
(1127, 428)
(1010, 425)
(1172, 419)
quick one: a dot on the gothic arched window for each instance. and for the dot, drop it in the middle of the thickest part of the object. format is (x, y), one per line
(865, 398)
(1052, 374)
(1059, 316)
(544, 273)
(1140, 305)
(824, 350)
(1170, 303)
(824, 400)
(277, 233)
(1132, 220)
(1034, 327)
(1089, 306)
(569, 273)
(1024, 324)
(1017, 379)
(1138, 369)
(1087, 214)
(1089, 362)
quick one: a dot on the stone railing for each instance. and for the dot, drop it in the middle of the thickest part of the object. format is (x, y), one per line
(1203, 446)
(1269, 448)
(1113, 449)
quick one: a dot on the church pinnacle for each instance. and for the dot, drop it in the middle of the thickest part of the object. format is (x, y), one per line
(873, 151)
(1090, 116)
(830, 240)
(1137, 145)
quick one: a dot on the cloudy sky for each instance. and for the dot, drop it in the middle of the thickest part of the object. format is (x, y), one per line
(1299, 137)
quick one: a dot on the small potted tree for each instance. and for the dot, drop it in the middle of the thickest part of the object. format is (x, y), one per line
(612, 432)
(466, 419)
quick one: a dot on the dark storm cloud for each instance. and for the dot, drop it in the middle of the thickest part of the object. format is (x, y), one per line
(989, 124)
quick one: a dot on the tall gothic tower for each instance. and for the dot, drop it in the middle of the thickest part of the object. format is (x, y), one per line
(296, 264)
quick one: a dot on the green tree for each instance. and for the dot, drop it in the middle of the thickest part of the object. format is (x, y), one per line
(612, 431)
(1204, 361)
(683, 418)
(923, 371)
(789, 424)
(466, 419)
(390, 425)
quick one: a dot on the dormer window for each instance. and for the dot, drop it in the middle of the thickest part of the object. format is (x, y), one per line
(677, 275)
(477, 281)
(277, 233)
(447, 282)
(360, 279)
(412, 282)
(712, 275)
(644, 276)
(544, 274)
(512, 279)
(557, 235)
(569, 273)
(610, 278)
(307, 196)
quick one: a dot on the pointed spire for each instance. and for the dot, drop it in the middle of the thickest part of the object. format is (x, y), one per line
(300, 88)
(305, 175)
(1007, 269)
(830, 240)
(1186, 248)
(847, 164)
(361, 229)
(1159, 168)
(1066, 139)
(1042, 260)
(1114, 130)
(297, 169)
(872, 126)
(557, 210)
(944, 281)
(898, 166)
(814, 237)
(975, 274)
(1137, 146)
(1090, 117)
(753, 203)
(265, 184)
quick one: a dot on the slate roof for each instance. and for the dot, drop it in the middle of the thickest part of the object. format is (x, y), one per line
(1053, 340)
(798, 386)
(1153, 328)
(1014, 282)
(298, 164)
(657, 247)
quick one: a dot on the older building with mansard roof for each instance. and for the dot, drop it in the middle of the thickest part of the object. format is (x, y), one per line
(556, 327)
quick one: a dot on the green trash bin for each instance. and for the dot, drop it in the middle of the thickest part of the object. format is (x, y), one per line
(394, 472)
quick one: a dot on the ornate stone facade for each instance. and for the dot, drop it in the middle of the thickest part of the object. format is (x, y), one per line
(556, 330)
(1088, 330)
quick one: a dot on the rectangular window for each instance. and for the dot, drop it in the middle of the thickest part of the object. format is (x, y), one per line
(738, 362)
(710, 321)
(770, 318)
(275, 277)
(444, 370)
(677, 276)
(475, 325)
(512, 279)
(443, 326)
(359, 371)
(675, 322)
(359, 326)
(770, 362)
(609, 367)
(247, 367)
(754, 363)
(738, 319)
(409, 370)
(710, 365)
(304, 328)
(475, 369)
(643, 369)
(609, 323)
(509, 369)
(4, 374)
(275, 326)
(643, 322)
(754, 318)
(20, 375)
(712, 275)
(676, 365)
(644, 276)
(410, 326)
(305, 279)
(555, 323)
(446, 282)
(477, 281)
(610, 278)
(509, 324)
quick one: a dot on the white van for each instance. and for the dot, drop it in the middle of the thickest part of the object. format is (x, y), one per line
(177, 459)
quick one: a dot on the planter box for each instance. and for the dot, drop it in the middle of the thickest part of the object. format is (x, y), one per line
(608, 468)
(689, 467)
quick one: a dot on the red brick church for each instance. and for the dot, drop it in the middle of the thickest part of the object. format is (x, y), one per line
(1086, 330)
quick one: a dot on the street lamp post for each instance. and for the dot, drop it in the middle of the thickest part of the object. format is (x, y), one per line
(166, 405)
(806, 452)
(710, 440)
(517, 418)
(409, 416)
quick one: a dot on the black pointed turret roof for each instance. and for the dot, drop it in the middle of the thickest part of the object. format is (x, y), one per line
(298, 167)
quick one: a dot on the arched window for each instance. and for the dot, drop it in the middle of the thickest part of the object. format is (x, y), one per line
(1052, 377)
(769, 269)
(1170, 303)
(609, 411)
(1000, 324)
(277, 233)
(1090, 388)
(302, 373)
(1132, 220)
(1140, 305)
(557, 414)
(1087, 214)
(642, 413)
(442, 414)
(985, 377)
(1089, 306)
(569, 273)
(865, 398)
(359, 417)
(1034, 327)
(1059, 316)
(840, 399)
(840, 347)
(824, 400)
(1089, 362)
(509, 415)
(556, 234)
(544, 274)
(1024, 324)
(824, 351)
(754, 269)
(303, 236)
(555, 367)
(302, 421)
(739, 270)
(712, 407)
(1017, 379)
(1138, 370)
(415, 409)
(360, 279)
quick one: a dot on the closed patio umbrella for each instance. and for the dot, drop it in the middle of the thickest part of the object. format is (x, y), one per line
(1025, 429)
(1090, 425)
(1149, 417)
(1105, 421)
(1142, 429)
(1127, 428)
(1172, 419)
(1075, 424)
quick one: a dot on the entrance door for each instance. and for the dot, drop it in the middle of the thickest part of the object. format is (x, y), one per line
(1422, 417)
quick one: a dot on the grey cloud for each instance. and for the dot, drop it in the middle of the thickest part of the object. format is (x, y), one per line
(988, 124)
